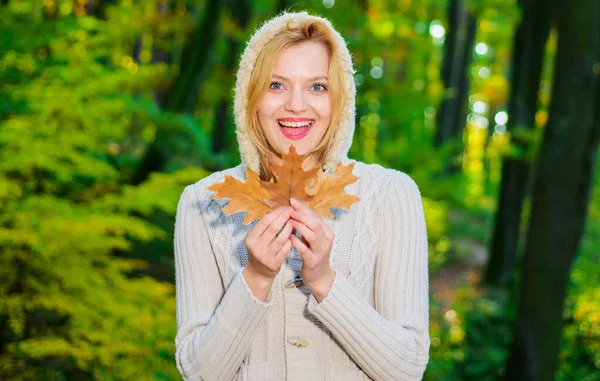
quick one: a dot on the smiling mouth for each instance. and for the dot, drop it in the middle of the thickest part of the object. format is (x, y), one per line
(295, 130)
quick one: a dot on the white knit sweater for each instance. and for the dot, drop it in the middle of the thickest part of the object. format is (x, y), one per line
(373, 324)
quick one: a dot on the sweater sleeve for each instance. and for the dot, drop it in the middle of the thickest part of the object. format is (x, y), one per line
(390, 341)
(215, 328)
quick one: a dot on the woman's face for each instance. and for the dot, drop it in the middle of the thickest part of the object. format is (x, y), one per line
(296, 109)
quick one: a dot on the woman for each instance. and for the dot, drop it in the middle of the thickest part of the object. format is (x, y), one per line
(347, 302)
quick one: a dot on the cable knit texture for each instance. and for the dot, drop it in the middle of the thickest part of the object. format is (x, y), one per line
(372, 325)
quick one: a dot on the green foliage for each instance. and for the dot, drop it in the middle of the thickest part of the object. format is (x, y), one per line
(580, 346)
(489, 333)
(86, 288)
(471, 328)
(71, 129)
(470, 341)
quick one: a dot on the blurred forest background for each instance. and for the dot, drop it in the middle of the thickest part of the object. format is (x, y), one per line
(108, 108)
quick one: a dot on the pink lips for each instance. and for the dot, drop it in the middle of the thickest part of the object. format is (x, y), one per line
(295, 133)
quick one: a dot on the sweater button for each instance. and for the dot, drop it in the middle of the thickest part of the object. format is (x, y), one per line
(297, 341)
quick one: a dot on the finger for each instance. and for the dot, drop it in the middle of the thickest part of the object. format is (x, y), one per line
(307, 234)
(304, 241)
(283, 252)
(300, 246)
(306, 215)
(263, 224)
(302, 207)
(270, 233)
(282, 238)
(327, 230)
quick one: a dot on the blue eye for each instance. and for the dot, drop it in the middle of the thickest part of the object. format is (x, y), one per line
(275, 83)
(324, 88)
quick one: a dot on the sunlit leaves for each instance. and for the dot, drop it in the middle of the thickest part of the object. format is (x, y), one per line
(71, 133)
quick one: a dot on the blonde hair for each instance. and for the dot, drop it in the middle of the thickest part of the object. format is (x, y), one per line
(296, 33)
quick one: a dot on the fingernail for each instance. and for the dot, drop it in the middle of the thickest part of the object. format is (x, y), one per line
(293, 201)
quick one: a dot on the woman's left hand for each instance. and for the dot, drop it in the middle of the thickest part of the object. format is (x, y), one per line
(315, 248)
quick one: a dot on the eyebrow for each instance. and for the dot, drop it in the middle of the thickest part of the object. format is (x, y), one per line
(310, 79)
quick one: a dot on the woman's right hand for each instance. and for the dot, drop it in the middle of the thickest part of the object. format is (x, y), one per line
(266, 250)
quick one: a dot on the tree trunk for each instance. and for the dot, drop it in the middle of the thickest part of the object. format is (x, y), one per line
(195, 61)
(159, 55)
(561, 192)
(451, 118)
(181, 96)
(240, 11)
(526, 67)
(493, 110)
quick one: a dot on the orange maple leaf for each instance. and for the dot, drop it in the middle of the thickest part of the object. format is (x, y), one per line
(328, 191)
(312, 187)
(248, 196)
(290, 180)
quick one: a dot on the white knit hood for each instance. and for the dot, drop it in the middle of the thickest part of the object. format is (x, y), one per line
(345, 128)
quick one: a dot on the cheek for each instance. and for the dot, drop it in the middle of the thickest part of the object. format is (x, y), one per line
(269, 107)
(323, 108)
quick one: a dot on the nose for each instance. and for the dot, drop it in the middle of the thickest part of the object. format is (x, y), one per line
(296, 101)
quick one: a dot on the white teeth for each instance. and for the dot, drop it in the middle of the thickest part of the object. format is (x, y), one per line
(295, 124)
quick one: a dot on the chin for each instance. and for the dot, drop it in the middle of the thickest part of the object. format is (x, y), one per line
(301, 149)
